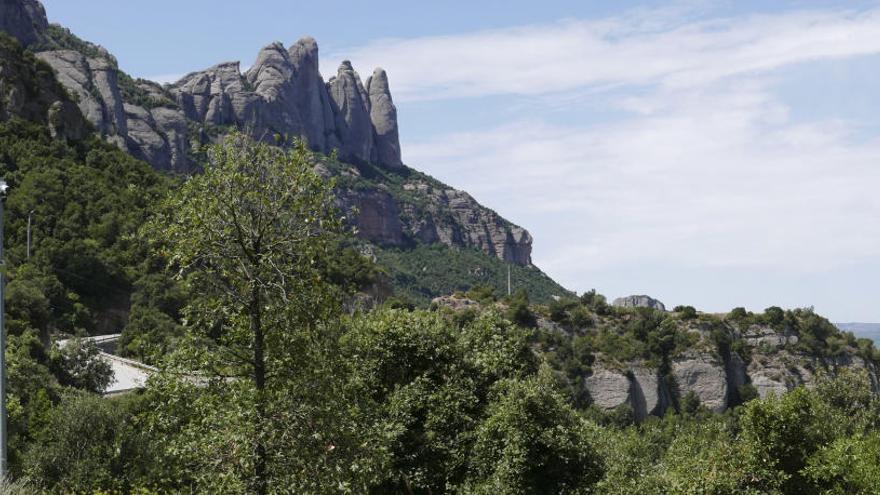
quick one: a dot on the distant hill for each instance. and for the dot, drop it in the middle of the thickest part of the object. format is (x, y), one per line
(867, 330)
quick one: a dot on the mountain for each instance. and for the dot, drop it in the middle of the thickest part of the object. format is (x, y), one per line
(350, 124)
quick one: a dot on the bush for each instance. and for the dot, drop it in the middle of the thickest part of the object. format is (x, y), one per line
(518, 310)
(686, 312)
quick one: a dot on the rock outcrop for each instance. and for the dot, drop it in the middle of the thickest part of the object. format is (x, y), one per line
(639, 302)
(351, 106)
(28, 91)
(383, 115)
(704, 376)
(769, 361)
(454, 218)
(95, 83)
(24, 20)
(638, 387)
(609, 389)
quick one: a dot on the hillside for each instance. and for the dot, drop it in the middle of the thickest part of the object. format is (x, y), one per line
(642, 362)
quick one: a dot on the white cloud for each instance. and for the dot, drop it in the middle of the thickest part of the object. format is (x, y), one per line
(719, 177)
(642, 47)
(703, 167)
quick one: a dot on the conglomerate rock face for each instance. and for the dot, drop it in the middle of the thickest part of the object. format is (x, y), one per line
(774, 365)
(281, 96)
(639, 302)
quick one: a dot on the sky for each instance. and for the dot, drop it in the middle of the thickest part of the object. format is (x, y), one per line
(717, 154)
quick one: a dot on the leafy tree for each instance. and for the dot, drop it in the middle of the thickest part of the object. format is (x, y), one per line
(484, 294)
(430, 384)
(784, 432)
(738, 314)
(686, 312)
(80, 366)
(89, 444)
(247, 238)
(774, 316)
(531, 441)
(596, 302)
(848, 465)
(518, 309)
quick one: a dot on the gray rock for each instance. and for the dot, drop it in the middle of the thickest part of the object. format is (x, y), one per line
(310, 96)
(767, 384)
(73, 72)
(24, 20)
(216, 96)
(171, 126)
(351, 106)
(706, 378)
(271, 78)
(455, 303)
(639, 302)
(608, 389)
(105, 79)
(65, 121)
(759, 335)
(649, 396)
(145, 141)
(383, 115)
(454, 218)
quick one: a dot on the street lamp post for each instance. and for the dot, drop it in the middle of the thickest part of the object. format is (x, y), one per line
(30, 214)
(3, 432)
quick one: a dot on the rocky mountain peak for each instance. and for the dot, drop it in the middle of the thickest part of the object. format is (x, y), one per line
(304, 54)
(351, 106)
(383, 115)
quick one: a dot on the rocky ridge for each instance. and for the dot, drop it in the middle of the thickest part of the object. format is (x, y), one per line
(716, 377)
(638, 302)
(282, 95)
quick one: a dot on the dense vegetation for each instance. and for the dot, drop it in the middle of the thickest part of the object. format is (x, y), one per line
(424, 272)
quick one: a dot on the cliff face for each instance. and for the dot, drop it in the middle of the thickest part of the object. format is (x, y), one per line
(29, 91)
(773, 364)
(24, 20)
(282, 94)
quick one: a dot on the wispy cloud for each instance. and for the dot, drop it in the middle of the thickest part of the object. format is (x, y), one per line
(642, 47)
(718, 177)
(704, 166)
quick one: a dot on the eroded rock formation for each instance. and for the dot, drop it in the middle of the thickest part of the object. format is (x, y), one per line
(283, 95)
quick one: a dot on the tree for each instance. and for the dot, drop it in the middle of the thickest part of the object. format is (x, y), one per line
(518, 309)
(686, 312)
(89, 444)
(80, 366)
(247, 238)
(532, 441)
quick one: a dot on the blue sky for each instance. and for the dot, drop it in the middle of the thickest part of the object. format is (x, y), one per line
(718, 154)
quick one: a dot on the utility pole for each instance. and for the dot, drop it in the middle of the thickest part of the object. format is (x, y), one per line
(30, 214)
(3, 433)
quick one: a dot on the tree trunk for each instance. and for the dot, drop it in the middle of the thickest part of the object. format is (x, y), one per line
(260, 482)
